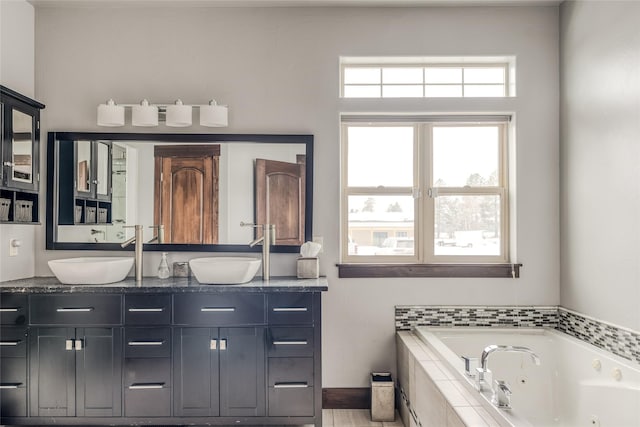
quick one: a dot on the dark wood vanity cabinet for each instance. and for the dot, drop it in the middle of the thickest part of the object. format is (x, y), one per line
(19, 154)
(131, 358)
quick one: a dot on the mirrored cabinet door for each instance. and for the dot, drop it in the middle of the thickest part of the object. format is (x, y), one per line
(103, 170)
(83, 168)
(20, 147)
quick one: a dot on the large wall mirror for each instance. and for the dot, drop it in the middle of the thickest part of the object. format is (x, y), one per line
(190, 191)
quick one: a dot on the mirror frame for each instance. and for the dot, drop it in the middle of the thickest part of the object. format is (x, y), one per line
(52, 187)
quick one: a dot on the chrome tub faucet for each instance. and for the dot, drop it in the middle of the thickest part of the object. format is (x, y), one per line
(484, 375)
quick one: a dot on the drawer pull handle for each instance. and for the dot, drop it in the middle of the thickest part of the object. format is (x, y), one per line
(146, 310)
(144, 343)
(9, 309)
(290, 342)
(10, 343)
(150, 386)
(10, 385)
(68, 345)
(290, 385)
(74, 310)
(223, 344)
(290, 309)
(79, 344)
(213, 345)
(218, 309)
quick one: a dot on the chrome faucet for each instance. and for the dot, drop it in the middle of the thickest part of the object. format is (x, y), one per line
(501, 394)
(267, 239)
(484, 374)
(137, 239)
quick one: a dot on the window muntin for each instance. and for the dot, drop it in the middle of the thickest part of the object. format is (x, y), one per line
(456, 209)
(412, 80)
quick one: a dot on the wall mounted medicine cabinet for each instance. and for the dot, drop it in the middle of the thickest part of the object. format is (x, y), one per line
(20, 147)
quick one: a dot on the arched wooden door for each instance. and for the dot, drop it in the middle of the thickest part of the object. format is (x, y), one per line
(280, 198)
(186, 193)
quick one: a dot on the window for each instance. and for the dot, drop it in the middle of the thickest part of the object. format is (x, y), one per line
(410, 78)
(424, 190)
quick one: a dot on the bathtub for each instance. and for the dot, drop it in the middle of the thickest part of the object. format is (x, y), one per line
(576, 384)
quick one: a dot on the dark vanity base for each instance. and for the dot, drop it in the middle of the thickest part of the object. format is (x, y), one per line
(164, 421)
(156, 354)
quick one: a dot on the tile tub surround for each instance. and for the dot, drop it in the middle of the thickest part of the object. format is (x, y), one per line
(620, 341)
(409, 316)
(432, 393)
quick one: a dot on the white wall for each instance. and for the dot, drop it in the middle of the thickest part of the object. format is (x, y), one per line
(600, 151)
(17, 73)
(278, 71)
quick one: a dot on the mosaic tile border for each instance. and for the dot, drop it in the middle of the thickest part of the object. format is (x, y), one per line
(408, 317)
(619, 341)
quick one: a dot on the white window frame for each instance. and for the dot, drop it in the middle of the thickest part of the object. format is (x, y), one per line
(424, 191)
(504, 63)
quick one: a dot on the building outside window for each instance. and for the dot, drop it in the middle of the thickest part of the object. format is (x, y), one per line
(425, 189)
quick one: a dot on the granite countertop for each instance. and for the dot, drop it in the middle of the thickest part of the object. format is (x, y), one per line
(171, 285)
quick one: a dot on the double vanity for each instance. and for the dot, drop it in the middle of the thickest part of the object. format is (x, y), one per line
(151, 351)
(161, 352)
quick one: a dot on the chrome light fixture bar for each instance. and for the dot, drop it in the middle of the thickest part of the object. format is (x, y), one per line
(175, 115)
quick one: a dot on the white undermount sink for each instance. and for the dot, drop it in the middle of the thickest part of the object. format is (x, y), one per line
(224, 270)
(91, 270)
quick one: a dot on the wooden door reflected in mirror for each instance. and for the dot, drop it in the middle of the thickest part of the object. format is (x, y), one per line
(186, 193)
(280, 198)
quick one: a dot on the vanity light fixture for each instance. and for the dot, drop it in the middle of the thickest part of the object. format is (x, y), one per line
(177, 114)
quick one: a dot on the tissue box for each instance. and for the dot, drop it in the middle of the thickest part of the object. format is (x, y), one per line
(308, 268)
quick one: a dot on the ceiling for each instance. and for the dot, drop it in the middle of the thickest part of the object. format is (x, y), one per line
(284, 3)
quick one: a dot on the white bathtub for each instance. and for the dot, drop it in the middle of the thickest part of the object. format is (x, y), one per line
(576, 384)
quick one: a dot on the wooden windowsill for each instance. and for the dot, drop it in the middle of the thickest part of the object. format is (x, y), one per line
(429, 270)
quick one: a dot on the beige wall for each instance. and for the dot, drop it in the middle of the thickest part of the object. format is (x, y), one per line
(17, 73)
(278, 71)
(600, 160)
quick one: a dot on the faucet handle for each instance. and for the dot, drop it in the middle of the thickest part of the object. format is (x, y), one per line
(483, 376)
(249, 224)
(470, 366)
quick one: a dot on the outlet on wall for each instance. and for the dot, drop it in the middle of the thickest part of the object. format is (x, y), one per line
(14, 244)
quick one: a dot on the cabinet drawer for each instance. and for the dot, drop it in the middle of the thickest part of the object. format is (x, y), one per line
(155, 373)
(13, 387)
(13, 342)
(290, 402)
(290, 308)
(13, 309)
(291, 372)
(290, 342)
(147, 402)
(219, 309)
(75, 310)
(147, 342)
(147, 309)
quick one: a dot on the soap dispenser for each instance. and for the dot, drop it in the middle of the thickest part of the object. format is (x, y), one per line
(163, 268)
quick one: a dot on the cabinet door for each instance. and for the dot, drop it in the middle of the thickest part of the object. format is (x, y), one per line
(98, 372)
(52, 364)
(102, 178)
(83, 169)
(196, 372)
(20, 147)
(242, 372)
